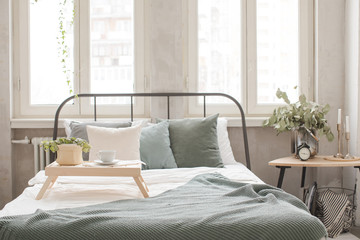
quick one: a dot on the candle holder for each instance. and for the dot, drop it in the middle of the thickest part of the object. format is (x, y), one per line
(339, 154)
(348, 155)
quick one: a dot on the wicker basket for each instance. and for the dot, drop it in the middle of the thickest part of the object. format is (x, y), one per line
(321, 208)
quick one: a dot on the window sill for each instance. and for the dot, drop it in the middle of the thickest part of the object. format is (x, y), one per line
(250, 121)
(34, 123)
(49, 123)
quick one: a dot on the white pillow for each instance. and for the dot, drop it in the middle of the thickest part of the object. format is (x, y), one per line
(226, 153)
(125, 141)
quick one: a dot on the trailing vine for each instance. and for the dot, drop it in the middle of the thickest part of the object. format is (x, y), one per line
(63, 41)
(63, 48)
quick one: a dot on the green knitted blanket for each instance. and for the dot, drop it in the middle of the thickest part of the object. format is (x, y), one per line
(209, 206)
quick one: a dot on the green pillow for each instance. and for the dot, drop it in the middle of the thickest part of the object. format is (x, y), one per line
(155, 148)
(194, 142)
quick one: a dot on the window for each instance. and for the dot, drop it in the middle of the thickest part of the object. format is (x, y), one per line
(249, 49)
(219, 49)
(111, 36)
(97, 48)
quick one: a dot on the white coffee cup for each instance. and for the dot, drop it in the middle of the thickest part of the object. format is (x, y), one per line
(106, 155)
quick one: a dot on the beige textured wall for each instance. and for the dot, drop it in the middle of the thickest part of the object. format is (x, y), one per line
(330, 74)
(164, 26)
(166, 54)
(5, 131)
(352, 90)
(23, 155)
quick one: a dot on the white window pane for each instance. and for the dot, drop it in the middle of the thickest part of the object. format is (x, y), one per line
(219, 48)
(112, 45)
(47, 77)
(277, 49)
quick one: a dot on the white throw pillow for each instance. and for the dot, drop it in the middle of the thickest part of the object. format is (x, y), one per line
(226, 153)
(125, 141)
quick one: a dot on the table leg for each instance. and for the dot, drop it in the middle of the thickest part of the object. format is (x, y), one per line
(53, 181)
(141, 187)
(281, 175)
(50, 179)
(142, 180)
(303, 175)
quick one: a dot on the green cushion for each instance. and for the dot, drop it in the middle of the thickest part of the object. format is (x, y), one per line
(194, 142)
(155, 148)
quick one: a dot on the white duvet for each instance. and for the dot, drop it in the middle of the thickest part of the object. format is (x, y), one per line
(69, 192)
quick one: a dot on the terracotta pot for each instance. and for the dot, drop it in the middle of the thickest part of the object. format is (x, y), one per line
(69, 154)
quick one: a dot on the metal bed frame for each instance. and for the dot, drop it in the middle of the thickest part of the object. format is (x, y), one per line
(165, 94)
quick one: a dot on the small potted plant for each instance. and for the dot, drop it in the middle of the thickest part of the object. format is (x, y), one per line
(69, 150)
(304, 118)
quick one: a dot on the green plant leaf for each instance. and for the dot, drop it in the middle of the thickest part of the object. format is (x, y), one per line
(330, 136)
(302, 99)
(282, 95)
(326, 109)
(266, 123)
(53, 144)
(272, 119)
(282, 125)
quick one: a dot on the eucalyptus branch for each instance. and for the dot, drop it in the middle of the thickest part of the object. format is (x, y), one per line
(302, 113)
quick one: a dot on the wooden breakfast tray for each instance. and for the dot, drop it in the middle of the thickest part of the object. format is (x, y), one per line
(54, 170)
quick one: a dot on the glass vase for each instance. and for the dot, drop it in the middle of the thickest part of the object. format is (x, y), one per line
(302, 135)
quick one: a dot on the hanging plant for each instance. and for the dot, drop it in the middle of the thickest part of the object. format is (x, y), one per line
(63, 45)
(63, 41)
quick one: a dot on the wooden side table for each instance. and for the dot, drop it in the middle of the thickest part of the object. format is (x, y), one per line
(317, 161)
(54, 170)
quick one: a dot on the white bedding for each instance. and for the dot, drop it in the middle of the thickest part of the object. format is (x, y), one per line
(71, 192)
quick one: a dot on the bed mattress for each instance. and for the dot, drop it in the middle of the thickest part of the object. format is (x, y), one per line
(74, 192)
(209, 206)
(70, 192)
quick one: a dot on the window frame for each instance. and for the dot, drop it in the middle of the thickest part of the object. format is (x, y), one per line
(249, 58)
(21, 65)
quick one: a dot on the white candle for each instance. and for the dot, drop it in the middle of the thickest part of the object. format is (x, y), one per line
(339, 116)
(347, 124)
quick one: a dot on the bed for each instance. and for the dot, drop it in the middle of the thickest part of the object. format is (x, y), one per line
(225, 201)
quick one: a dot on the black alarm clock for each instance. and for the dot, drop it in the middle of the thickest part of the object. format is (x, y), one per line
(303, 152)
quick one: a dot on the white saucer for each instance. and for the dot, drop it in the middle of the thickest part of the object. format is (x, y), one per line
(106, 163)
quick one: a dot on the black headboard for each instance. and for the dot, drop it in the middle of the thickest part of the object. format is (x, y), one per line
(167, 95)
